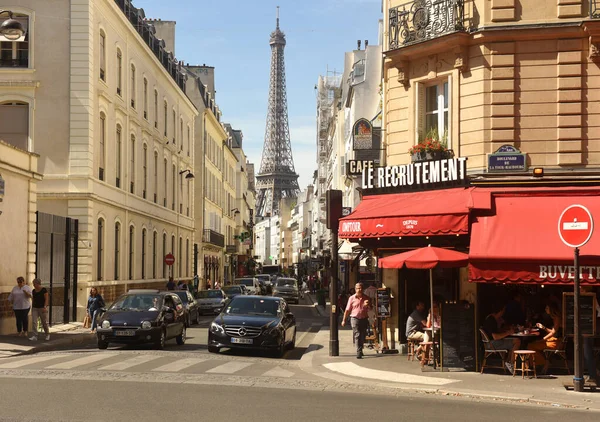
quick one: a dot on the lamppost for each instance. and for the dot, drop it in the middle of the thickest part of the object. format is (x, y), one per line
(11, 28)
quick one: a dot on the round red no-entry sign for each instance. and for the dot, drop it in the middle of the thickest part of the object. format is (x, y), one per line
(169, 259)
(575, 226)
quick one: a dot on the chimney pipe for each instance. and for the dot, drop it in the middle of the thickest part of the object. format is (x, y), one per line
(358, 42)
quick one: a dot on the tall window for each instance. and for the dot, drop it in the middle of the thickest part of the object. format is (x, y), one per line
(181, 133)
(155, 176)
(166, 117)
(132, 90)
(436, 110)
(117, 257)
(165, 173)
(164, 249)
(187, 257)
(131, 249)
(189, 199)
(132, 166)
(102, 56)
(189, 140)
(100, 257)
(173, 247)
(179, 271)
(145, 98)
(145, 171)
(143, 253)
(102, 157)
(174, 187)
(174, 128)
(118, 153)
(156, 109)
(16, 53)
(119, 73)
(154, 254)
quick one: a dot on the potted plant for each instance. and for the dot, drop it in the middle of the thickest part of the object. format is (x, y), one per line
(430, 147)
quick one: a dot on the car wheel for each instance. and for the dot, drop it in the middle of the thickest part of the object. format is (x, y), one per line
(197, 320)
(181, 338)
(162, 340)
(213, 349)
(102, 344)
(292, 344)
(280, 351)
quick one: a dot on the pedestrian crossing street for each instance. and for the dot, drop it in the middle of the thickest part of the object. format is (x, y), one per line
(148, 363)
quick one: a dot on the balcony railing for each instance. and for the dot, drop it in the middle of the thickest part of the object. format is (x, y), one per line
(594, 9)
(422, 20)
(214, 238)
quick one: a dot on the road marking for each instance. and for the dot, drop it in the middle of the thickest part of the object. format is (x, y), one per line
(81, 361)
(178, 365)
(126, 364)
(278, 372)
(352, 369)
(229, 367)
(29, 361)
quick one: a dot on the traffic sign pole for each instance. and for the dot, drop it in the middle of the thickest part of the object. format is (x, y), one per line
(578, 372)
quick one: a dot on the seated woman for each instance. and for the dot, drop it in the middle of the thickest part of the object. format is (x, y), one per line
(552, 336)
(434, 322)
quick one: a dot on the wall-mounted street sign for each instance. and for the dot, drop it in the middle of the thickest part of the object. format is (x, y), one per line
(356, 167)
(346, 211)
(507, 159)
(362, 134)
(424, 175)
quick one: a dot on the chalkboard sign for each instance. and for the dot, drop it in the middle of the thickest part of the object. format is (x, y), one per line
(458, 339)
(383, 303)
(587, 314)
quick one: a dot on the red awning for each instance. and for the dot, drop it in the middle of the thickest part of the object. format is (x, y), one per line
(439, 212)
(517, 240)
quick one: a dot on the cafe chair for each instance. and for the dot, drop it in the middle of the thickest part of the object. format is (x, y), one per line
(558, 353)
(412, 346)
(527, 358)
(490, 350)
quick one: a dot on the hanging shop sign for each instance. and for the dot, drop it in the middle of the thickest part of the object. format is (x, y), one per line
(424, 175)
(356, 167)
(507, 159)
(362, 134)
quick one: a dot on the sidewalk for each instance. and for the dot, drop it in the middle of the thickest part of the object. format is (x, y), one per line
(60, 336)
(396, 372)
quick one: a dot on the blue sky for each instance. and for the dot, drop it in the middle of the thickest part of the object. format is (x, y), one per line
(233, 36)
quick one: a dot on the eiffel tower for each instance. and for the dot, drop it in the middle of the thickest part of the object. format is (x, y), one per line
(277, 178)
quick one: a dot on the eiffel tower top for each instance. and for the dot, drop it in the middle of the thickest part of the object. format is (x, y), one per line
(277, 36)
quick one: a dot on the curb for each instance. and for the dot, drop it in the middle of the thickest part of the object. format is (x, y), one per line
(48, 347)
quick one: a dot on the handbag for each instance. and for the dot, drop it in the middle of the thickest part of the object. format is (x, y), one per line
(87, 322)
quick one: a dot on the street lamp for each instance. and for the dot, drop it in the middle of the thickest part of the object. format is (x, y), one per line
(189, 174)
(11, 28)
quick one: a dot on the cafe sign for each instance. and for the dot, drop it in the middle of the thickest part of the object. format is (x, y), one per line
(356, 167)
(507, 159)
(362, 134)
(424, 175)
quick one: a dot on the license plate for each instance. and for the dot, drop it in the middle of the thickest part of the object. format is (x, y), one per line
(241, 340)
(127, 333)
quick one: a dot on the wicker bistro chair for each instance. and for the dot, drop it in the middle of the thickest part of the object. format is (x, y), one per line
(490, 350)
(560, 353)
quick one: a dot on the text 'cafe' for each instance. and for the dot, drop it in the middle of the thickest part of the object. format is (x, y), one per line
(507, 226)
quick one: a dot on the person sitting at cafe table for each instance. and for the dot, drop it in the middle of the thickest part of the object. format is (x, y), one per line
(552, 336)
(415, 324)
(432, 322)
(499, 334)
(514, 313)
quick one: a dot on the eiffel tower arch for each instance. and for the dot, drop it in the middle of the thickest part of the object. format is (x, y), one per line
(277, 178)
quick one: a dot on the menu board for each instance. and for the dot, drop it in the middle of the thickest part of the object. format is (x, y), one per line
(383, 303)
(587, 314)
(458, 339)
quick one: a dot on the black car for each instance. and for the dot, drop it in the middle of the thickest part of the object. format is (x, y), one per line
(190, 305)
(254, 322)
(143, 317)
(233, 291)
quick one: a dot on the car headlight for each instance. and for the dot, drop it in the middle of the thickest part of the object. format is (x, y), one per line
(105, 324)
(146, 325)
(216, 328)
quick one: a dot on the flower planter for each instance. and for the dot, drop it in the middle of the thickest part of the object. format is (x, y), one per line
(427, 155)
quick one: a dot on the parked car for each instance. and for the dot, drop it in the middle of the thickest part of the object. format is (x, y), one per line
(143, 316)
(190, 305)
(235, 290)
(266, 279)
(287, 288)
(210, 301)
(254, 322)
(251, 283)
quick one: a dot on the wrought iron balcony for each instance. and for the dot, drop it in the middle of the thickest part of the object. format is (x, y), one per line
(422, 20)
(214, 238)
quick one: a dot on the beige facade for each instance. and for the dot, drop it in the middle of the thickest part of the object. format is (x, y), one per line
(113, 129)
(523, 73)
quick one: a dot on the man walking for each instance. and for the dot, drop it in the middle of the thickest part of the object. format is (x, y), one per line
(39, 309)
(358, 309)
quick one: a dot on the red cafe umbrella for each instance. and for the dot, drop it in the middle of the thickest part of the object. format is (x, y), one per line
(426, 258)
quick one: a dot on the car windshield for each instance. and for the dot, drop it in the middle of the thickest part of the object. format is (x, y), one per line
(286, 282)
(233, 290)
(245, 281)
(209, 294)
(137, 302)
(241, 305)
(183, 296)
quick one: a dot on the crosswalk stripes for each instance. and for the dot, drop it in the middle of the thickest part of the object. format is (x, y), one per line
(126, 364)
(179, 365)
(24, 362)
(278, 373)
(229, 367)
(81, 361)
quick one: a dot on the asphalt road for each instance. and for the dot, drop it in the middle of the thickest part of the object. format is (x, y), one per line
(40, 399)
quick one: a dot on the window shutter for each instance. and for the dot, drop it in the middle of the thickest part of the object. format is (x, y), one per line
(450, 96)
(421, 104)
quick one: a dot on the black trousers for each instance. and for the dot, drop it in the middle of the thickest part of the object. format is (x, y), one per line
(22, 317)
(359, 332)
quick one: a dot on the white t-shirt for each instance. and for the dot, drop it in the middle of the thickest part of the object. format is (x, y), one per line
(18, 297)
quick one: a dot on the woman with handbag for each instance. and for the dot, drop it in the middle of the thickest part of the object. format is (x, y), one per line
(20, 298)
(95, 303)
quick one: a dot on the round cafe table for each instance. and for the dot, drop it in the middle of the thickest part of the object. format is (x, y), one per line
(526, 338)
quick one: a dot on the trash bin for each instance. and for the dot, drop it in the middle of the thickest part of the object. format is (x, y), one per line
(321, 298)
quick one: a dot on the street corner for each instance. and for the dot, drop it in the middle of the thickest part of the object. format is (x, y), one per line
(60, 337)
